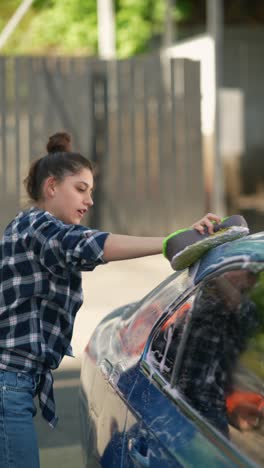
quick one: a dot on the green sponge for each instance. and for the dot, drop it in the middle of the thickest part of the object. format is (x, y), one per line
(185, 246)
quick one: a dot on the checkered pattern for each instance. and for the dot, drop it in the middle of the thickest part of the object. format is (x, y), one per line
(41, 260)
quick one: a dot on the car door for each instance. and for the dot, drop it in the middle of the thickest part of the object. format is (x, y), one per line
(182, 368)
(110, 370)
(103, 410)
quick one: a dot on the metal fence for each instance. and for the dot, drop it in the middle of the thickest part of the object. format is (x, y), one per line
(138, 119)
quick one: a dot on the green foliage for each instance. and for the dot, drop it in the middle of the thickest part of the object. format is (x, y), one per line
(62, 26)
(253, 358)
(42, 4)
(137, 22)
(6, 10)
(70, 26)
(257, 296)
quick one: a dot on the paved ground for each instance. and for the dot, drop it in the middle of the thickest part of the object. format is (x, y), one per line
(104, 289)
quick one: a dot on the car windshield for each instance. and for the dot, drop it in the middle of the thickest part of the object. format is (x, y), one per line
(234, 371)
(211, 351)
(138, 320)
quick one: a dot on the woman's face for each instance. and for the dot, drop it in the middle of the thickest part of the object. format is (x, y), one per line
(70, 199)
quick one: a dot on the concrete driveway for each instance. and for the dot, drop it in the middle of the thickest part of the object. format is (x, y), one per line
(106, 288)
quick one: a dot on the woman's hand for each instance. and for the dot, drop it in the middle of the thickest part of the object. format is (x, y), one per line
(207, 221)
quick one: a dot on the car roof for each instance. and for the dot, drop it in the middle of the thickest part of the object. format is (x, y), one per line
(247, 250)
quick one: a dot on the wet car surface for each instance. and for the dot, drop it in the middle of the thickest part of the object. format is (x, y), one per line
(177, 379)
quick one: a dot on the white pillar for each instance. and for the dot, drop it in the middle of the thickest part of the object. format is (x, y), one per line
(106, 29)
(215, 24)
(169, 28)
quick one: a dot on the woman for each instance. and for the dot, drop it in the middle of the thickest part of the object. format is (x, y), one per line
(43, 251)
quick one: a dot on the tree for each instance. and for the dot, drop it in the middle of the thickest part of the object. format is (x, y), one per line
(70, 26)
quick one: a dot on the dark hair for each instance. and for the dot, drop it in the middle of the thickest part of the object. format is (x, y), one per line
(59, 162)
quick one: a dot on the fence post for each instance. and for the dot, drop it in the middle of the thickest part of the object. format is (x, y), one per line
(99, 139)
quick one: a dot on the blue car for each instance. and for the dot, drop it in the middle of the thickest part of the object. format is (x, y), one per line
(177, 379)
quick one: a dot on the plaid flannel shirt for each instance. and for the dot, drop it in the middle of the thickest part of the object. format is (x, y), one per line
(41, 260)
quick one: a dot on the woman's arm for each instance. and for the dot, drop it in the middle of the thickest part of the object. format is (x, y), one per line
(120, 247)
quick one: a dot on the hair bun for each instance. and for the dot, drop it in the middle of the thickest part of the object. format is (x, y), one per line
(59, 142)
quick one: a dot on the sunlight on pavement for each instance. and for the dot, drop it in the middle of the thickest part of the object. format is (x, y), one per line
(68, 457)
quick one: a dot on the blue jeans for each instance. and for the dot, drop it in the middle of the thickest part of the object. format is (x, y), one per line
(18, 438)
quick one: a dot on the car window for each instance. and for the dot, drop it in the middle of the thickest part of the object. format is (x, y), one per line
(214, 357)
(136, 325)
(169, 340)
